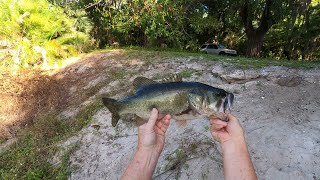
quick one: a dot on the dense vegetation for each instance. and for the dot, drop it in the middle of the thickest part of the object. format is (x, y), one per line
(279, 29)
(35, 32)
(41, 32)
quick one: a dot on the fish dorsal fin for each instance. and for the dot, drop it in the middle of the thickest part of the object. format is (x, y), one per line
(172, 78)
(139, 82)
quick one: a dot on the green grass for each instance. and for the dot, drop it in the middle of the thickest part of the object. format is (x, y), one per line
(151, 55)
(28, 157)
(186, 73)
(119, 74)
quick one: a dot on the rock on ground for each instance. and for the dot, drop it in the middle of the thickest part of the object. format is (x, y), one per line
(281, 121)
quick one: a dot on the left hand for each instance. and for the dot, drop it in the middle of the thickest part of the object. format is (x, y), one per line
(151, 135)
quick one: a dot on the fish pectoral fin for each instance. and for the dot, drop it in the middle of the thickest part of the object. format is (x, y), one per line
(139, 120)
(187, 111)
(140, 81)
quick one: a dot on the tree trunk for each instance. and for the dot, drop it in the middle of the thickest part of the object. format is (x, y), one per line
(254, 44)
(256, 35)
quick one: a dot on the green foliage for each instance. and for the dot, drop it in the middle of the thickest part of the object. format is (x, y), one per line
(37, 32)
(296, 37)
(63, 28)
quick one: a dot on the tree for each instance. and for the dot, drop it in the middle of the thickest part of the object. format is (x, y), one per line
(257, 19)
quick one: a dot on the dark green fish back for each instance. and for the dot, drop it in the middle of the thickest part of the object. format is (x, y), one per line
(173, 86)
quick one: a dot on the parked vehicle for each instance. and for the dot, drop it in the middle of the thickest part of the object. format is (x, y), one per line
(211, 48)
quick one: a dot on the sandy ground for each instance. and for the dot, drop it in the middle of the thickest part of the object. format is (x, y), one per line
(278, 108)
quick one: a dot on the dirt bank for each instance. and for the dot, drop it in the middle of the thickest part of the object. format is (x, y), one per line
(277, 106)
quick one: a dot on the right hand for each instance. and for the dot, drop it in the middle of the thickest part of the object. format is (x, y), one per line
(151, 135)
(226, 131)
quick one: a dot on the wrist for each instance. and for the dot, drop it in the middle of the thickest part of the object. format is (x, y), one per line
(150, 150)
(143, 164)
(234, 145)
(146, 161)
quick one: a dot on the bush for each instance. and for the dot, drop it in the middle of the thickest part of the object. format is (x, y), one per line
(37, 33)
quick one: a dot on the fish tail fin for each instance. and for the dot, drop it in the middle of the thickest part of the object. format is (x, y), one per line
(113, 106)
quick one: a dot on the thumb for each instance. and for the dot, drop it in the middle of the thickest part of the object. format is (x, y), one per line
(153, 118)
(231, 118)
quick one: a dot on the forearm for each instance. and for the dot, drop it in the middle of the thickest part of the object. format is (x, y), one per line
(142, 166)
(236, 160)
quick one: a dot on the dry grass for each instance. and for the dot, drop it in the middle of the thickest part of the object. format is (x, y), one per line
(24, 96)
(28, 94)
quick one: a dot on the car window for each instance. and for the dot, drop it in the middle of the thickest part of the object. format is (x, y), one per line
(221, 46)
(203, 46)
(210, 46)
(215, 46)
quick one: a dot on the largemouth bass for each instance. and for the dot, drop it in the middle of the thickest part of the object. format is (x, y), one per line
(176, 98)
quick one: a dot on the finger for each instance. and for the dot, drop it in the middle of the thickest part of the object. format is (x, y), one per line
(166, 119)
(153, 118)
(163, 125)
(215, 136)
(158, 130)
(166, 122)
(214, 119)
(217, 127)
(220, 115)
(219, 122)
(223, 116)
(231, 117)
(233, 121)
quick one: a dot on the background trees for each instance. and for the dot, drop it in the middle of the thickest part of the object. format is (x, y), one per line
(266, 28)
(255, 28)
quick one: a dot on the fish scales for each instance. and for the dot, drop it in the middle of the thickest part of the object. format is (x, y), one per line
(170, 102)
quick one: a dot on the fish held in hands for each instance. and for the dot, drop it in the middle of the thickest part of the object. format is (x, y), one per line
(182, 100)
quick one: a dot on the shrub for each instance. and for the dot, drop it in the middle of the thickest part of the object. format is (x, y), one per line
(37, 33)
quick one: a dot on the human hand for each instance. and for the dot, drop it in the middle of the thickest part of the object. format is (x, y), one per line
(151, 135)
(226, 131)
(236, 158)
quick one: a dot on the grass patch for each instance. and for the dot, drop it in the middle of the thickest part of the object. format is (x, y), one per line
(257, 63)
(186, 73)
(28, 157)
(151, 55)
(122, 73)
